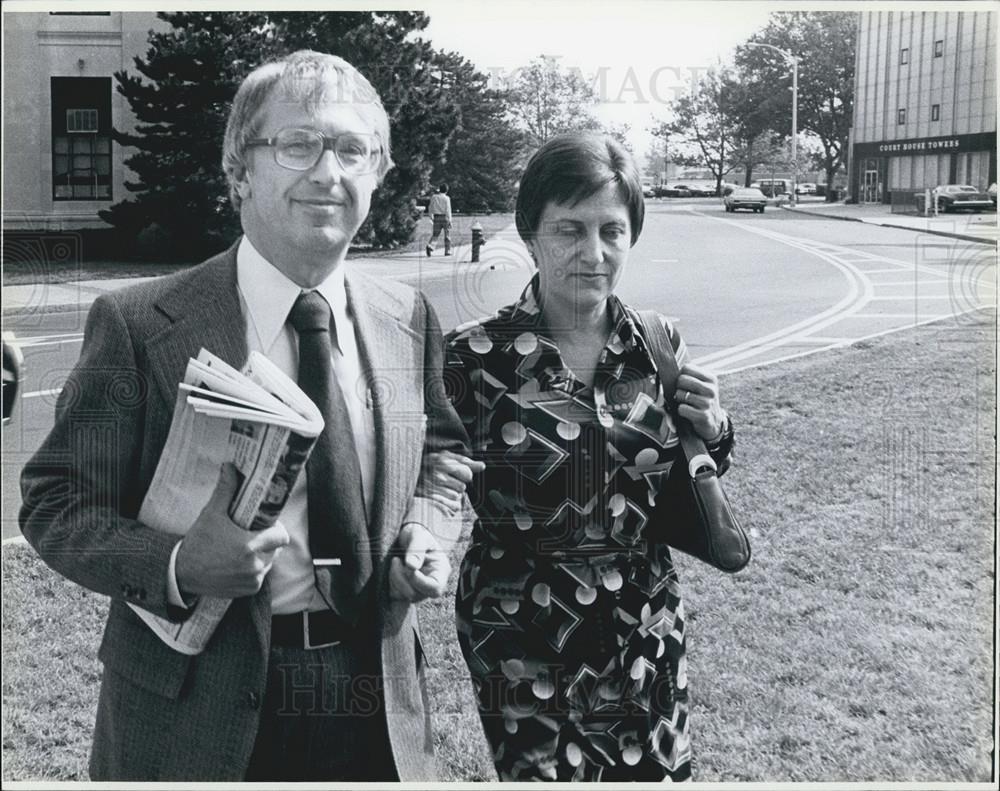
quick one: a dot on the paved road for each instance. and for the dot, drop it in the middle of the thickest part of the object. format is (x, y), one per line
(747, 289)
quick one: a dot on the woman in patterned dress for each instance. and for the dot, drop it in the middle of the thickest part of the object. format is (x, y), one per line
(568, 608)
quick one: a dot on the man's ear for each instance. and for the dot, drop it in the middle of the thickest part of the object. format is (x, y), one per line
(243, 184)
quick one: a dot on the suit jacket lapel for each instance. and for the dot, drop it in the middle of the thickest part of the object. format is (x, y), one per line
(203, 311)
(392, 359)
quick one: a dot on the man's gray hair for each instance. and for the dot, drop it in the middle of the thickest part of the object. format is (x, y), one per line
(309, 79)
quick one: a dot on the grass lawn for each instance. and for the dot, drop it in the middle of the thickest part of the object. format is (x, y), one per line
(858, 645)
(22, 270)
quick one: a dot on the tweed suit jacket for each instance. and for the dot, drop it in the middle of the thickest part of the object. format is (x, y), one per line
(163, 715)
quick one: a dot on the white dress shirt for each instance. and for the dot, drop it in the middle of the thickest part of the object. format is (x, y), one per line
(440, 203)
(266, 299)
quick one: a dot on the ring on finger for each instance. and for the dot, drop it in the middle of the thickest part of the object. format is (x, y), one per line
(687, 395)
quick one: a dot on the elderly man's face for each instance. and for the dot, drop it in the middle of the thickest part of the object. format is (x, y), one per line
(301, 221)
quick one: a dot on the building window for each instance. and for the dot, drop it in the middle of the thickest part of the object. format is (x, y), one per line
(81, 138)
(935, 112)
(81, 120)
(904, 56)
(939, 48)
(901, 116)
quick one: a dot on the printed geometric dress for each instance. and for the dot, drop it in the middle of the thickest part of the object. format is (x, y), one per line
(568, 609)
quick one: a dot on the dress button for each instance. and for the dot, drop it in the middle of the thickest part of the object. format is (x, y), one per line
(254, 700)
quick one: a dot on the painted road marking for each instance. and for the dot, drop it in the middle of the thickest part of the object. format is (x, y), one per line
(49, 340)
(911, 296)
(915, 281)
(786, 358)
(861, 293)
(903, 315)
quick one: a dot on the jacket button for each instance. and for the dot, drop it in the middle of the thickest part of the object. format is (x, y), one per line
(253, 699)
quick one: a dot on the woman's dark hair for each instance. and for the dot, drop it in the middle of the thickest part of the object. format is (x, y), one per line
(570, 168)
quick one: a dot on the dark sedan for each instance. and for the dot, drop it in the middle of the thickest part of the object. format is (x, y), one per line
(955, 197)
(673, 191)
(698, 190)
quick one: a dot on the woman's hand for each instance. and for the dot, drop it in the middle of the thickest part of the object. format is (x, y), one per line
(445, 477)
(697, 397)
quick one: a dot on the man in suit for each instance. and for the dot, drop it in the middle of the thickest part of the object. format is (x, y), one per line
(315, 673)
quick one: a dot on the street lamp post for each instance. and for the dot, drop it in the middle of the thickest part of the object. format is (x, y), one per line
(788, 56)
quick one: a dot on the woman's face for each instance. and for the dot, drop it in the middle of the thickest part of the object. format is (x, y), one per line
(581, 250)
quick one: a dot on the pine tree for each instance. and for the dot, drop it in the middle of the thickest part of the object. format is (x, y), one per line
(486, 154)
(181, 94)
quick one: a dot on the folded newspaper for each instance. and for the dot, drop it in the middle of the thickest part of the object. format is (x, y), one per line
(261, 422)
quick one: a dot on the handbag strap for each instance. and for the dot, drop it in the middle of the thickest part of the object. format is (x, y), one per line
(665, 361)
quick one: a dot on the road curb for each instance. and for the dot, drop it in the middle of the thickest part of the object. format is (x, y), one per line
(90, 290)
(27, 310)
(948, 234)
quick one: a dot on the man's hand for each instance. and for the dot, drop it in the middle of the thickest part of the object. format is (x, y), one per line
(446, 475)
(219, 558)
(423, 570)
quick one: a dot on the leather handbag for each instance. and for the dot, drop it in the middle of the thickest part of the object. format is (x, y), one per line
(700, 522)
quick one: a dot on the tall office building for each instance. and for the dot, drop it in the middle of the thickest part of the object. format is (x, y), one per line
(925, 102)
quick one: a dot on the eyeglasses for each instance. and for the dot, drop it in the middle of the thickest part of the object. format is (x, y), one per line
(301, 149)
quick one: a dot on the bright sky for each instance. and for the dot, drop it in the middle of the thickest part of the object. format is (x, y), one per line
(646, 50)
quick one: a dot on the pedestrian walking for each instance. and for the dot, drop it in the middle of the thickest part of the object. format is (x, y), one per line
(439, 208)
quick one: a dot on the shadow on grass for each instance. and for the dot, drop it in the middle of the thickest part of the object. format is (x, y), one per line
(856, 647)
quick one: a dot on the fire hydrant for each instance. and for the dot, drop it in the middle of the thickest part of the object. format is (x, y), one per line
(478, 240)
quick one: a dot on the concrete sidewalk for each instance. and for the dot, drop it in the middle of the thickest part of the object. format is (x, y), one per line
(409, 267)
(969, 227)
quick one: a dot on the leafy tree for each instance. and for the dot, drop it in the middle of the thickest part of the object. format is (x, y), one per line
(751, 112)
(546, 100)
(486, 155)
(185, 83)
(704, 130)
(824, 42)
(620, 131)
(656, 157)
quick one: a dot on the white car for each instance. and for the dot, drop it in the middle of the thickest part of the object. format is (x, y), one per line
(805, 188)
(745, 198)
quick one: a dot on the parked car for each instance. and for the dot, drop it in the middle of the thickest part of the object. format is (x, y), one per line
(745, 198)
(805, 188)
(13, 360)
(954, 197)
(700, 190)
(672, 191)
(772, 188)
(992, 192)
(648, 191)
